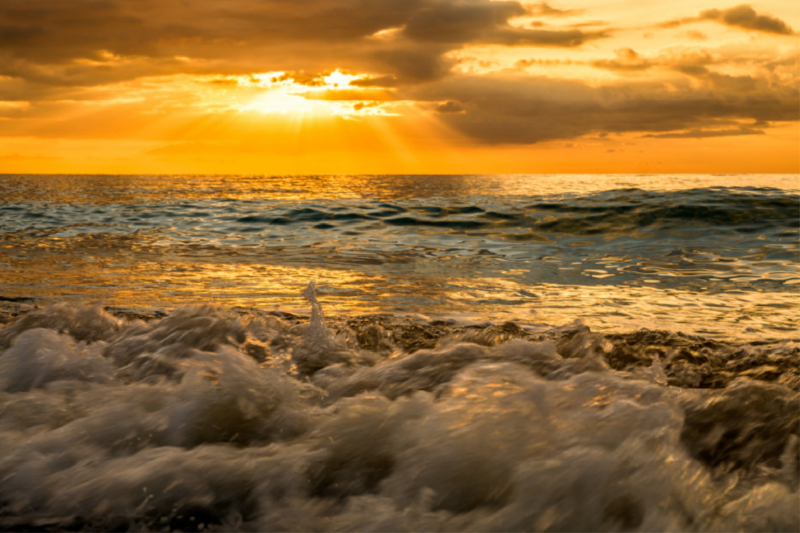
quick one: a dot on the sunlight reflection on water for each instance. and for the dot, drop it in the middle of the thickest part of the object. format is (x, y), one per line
(677, 252)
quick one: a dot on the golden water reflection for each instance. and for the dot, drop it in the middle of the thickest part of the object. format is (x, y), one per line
(146, 188)
(145, 241)
(347, 292)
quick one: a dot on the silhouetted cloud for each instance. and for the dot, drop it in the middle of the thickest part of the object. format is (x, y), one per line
(742, 16)
(414, 63)
(521, 111)
(450, 107)
(487, 23)
(90, 42)
(701, 134)
(53, 54)
(375, 81)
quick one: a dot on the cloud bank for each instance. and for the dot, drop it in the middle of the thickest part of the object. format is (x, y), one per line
(411, 51)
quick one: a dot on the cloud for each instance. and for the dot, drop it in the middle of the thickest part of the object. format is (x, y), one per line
(544, 10)
(507, 110)
(742, 16)
(691, 62)
(487, 23)
(358, 106)
(460, 22)
(589, 23)
(702, 134)
(522, 63)
(302, 78)
(450, 106)
(375, 81)
(414, 63)
(561, 38)
(745, 17)
(95, 42)
(627, 59)
(153, 57)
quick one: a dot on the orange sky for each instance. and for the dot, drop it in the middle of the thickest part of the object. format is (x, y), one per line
(398, 86)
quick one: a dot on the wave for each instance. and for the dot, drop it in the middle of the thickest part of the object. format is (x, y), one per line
(205, 418)
(615, 213)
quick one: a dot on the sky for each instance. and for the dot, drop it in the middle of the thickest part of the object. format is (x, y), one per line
(399, 86)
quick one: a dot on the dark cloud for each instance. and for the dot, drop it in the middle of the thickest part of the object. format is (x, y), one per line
(302, 78)
(223, 81)
(19, 35)
(53, 52)
(449, 22)
(742, 16)
(450, 106)
(562, 38)
(94, 42)
(506, 110)
(726, 82)
(375, 81)
(487, 23)
(701, 134)
(414, 63)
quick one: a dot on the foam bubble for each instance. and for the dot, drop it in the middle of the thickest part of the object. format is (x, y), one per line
(211, 419)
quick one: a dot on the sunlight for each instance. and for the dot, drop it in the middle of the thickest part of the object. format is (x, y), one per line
(281, 100)
(336, 78)
(330, 95)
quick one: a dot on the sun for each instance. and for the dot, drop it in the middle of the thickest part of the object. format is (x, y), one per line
(329, 95)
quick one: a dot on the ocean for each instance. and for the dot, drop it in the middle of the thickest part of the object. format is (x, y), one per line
(384, 353)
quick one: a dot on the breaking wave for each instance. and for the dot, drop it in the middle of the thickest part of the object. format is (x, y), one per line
(209, 419)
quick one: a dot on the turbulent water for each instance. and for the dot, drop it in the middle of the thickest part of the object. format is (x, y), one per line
(479, 353)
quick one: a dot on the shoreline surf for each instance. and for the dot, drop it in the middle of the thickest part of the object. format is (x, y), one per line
(206, 418)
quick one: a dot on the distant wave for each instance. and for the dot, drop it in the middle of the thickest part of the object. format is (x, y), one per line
(614, 213)
(680, 250)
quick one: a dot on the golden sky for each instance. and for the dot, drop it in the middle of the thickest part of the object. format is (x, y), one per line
(399, 86)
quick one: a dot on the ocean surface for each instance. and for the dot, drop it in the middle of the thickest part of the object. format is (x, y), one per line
(713, 255)
(438, 353)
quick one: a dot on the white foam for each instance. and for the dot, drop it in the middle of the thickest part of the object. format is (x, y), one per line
(202, 417)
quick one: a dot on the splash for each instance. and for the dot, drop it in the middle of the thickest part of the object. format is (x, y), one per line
(204, 418)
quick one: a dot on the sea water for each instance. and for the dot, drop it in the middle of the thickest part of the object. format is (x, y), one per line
(486, 353)
(714, 255)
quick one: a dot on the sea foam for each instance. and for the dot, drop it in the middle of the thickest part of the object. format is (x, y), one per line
(210, 419)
